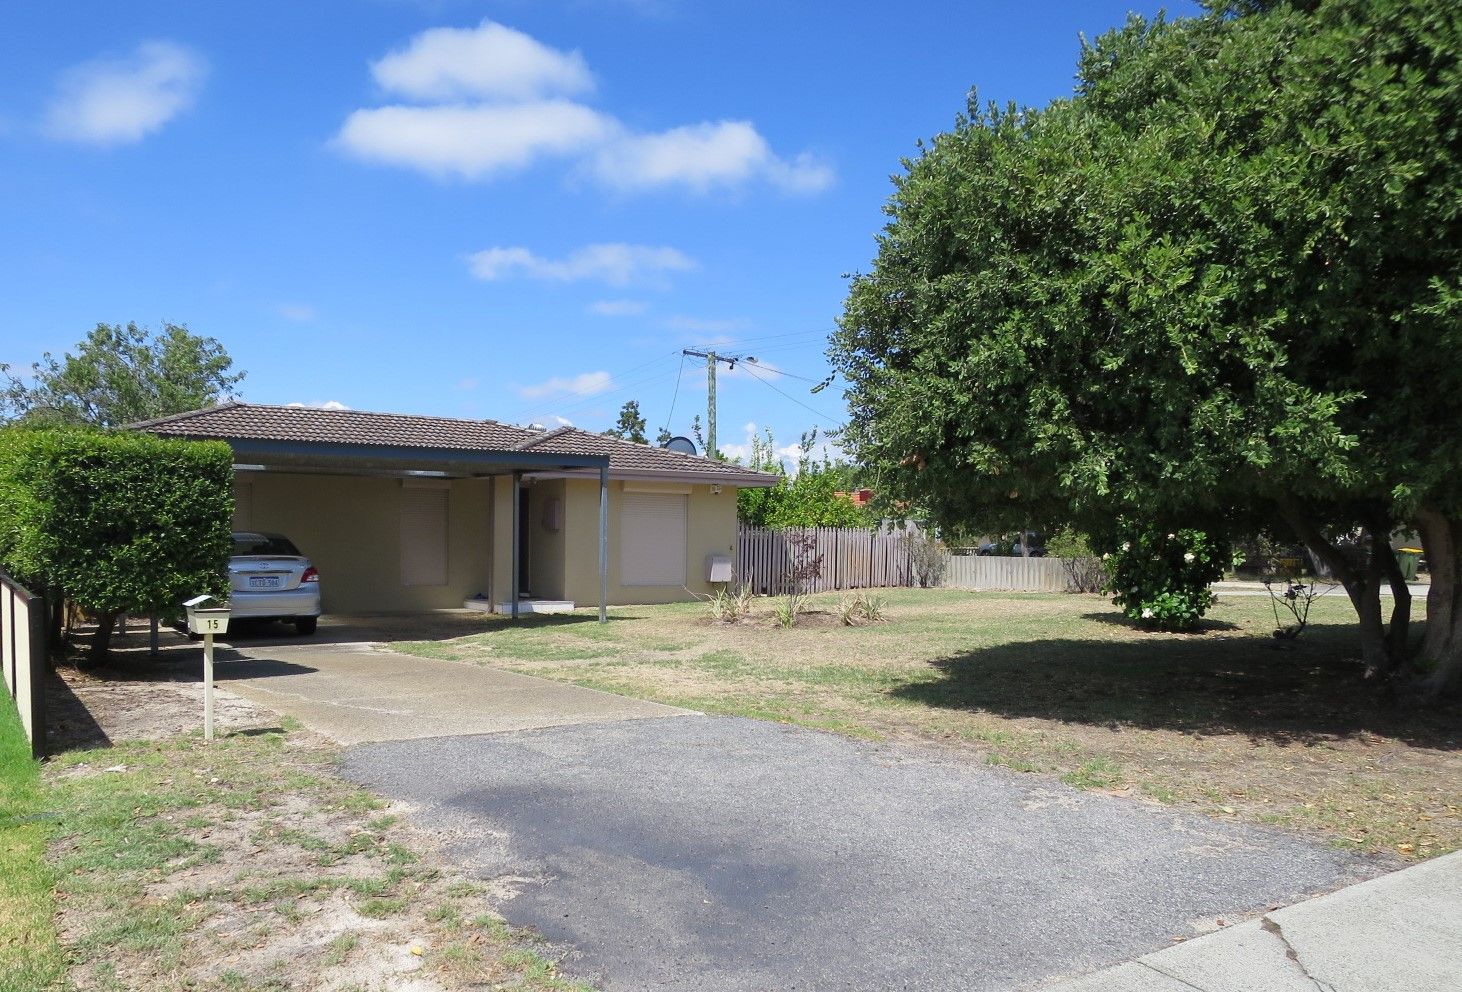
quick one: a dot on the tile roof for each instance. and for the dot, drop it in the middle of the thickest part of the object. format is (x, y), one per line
(256, 421)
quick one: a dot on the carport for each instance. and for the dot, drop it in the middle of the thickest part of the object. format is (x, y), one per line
(321, 469)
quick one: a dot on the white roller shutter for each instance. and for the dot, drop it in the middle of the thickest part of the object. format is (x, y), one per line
(652, 539)
(423, 536)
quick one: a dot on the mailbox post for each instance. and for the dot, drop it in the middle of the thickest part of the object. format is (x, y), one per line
(207, 621)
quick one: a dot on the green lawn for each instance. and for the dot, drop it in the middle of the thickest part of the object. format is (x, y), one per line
(30, 954)
(1227, 721)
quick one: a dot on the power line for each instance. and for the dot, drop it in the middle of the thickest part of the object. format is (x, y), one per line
(774, 337)
(675, 395)
(603, 394)
(789, 375)
(768, 384)
(548, 397)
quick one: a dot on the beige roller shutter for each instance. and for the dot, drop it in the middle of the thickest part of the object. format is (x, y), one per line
(652, 539)
(423, 536)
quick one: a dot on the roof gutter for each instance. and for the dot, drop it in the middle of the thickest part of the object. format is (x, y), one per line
(260, 450)
(742, 480)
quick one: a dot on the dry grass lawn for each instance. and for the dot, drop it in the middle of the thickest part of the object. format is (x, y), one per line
(247, 865)
(1226, 721)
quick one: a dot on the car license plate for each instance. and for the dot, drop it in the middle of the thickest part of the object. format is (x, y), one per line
(263, 582)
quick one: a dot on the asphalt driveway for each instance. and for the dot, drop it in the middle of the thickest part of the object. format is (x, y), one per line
(709, 853)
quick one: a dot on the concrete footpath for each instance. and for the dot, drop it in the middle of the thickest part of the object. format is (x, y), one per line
(1243, 587)
(1398, 933)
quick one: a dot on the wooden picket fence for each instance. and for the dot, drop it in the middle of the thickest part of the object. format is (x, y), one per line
(970, 571)
(857, 558)
(852, 558)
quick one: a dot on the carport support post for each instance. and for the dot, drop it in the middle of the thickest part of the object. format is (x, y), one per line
(603, 543)
(517, 550)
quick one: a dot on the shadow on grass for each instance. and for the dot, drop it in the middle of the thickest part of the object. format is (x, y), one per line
(1303, 692)
(1112, 618)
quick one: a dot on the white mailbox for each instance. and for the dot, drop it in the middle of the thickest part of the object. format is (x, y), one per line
(206, 619)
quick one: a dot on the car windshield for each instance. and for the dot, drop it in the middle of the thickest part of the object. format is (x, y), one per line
(268, 545)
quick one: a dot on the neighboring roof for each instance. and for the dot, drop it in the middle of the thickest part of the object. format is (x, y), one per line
(257, 422)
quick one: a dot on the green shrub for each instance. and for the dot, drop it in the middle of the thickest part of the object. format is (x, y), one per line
(859, 608)
(1160, 578)
(120, 522)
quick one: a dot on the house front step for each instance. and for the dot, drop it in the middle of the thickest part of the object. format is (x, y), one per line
(524, 606)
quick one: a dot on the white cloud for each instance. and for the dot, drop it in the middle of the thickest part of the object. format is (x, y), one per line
(586, 384)
(615, 264)
(702, 156)
(617, 308)
(120, 101)
(318, 405)
(471, 141)
(490, 60)
(560, 421)
(493, 98)
(296, 311)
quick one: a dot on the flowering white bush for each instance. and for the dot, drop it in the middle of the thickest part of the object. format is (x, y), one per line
(1161, 579)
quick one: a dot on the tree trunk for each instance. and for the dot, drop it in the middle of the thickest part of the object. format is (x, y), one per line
(1399, 630)
(102, 640)
(1442, 645)
(1365, 594)
(55, 620)
(1362, 585)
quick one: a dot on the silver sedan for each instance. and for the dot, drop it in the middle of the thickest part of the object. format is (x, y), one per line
(271, 580)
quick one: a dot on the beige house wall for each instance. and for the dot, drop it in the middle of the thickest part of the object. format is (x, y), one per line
(548, 540)
(350, 527)
(710, 529)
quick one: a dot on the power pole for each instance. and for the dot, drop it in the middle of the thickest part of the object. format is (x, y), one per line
(711, 359)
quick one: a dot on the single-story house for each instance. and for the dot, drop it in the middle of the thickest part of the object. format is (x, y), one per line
(407, 513)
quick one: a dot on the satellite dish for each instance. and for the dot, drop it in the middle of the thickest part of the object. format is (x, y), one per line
(684, 445)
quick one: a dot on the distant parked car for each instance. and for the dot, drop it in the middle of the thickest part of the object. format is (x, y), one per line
(271, 580)
(1011, 546)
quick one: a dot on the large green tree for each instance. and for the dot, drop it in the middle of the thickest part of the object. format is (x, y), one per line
(119, 375)
(1221, 281)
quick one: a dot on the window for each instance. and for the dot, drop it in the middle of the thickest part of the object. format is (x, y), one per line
(248, 544)
(652, 539)
(423, 536)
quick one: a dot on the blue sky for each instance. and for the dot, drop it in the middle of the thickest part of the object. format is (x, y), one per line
(516, 210)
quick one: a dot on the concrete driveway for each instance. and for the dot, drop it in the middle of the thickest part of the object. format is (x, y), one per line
(353, 692)
(711, 853)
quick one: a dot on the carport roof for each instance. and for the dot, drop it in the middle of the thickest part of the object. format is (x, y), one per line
(333, 437)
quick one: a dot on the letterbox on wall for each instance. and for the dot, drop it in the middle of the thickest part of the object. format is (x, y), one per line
(718, 568)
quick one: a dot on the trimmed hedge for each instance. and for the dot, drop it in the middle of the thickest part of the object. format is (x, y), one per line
(122, 522)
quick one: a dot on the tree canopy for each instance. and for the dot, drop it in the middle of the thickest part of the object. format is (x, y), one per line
(1221, 280)
(818, 495)
(120, 375)
(631, 425)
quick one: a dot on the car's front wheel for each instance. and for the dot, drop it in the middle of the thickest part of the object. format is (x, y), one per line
(306, 625)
